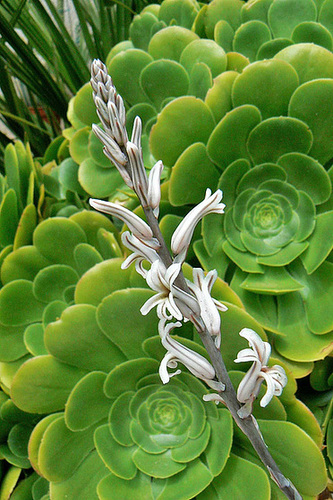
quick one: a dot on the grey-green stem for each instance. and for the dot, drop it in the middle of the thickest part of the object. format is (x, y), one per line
(247, 425)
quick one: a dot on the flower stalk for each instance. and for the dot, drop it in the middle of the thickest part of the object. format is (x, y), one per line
(176, 297)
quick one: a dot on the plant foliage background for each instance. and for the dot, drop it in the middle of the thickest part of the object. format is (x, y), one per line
(233, 95)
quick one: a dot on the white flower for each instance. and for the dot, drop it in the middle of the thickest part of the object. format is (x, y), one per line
(194, 362)
(138, 227)
(182, 236)
(249, 387)
(154, 187)
(209, 307)
(139, 176)
(141, 253)
(160, 279)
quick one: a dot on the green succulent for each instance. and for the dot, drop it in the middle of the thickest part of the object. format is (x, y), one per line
(260, 142)
(30, 193)
(82, 360)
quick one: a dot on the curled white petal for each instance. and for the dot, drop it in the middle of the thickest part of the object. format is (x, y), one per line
(183, 234)
(213, 397)
(276, 379)
(161, 279)
(141, 253)
(138, 227)
(261, 348)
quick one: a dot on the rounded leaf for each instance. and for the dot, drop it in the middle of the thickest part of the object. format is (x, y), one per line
(311, 32)
(181, 123)
(249, 37)
(285, 15)
(162, 79)
(268, 85)
(206, 51)
(277, 136)
(309, 60)
(169, 42)
(310, 96)
(186, 167)
(125, 69)
(227, 143)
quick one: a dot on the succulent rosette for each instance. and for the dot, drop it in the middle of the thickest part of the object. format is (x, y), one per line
(259, 29)
(83, 365)
(261, 143)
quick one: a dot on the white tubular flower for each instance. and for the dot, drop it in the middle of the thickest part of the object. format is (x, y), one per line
(249, 387)
(138, 227)
(154, 187)
(194, 362)
(139, 176)
(209, 307)
(182, 236)
(141, 253)
(160, 279)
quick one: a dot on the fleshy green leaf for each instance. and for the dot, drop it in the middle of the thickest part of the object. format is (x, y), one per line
(56, 239)
(311, 32)
(43, 384)
(125, 69)
(76, 339)
(227, 143)
(51, 282)
(116, 457)
(299, 343)
(249, 37)
(310, 96)
(268, 85)
(186, 168)
(120, 319)
(320, 242)
(181, 123)
(280, 436)
(18, 305)
(309, 60)
(239, 479)
(284, 15)
(206, 51)
(274, 281)
(229, 10)
(277, 136)
(162, 79)
(169, 42)
(100, 281)
(118, 382)
(218, 98)
(87, 403)
(113, 487)
(84, 106)
(84, 481)
(98, 181)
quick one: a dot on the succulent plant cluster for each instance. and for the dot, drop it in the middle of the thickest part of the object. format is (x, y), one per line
(234, 96)
(82, 373)
(211, 114)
